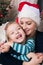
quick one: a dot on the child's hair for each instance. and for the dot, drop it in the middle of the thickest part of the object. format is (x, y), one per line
(6, 27)
(8, 24)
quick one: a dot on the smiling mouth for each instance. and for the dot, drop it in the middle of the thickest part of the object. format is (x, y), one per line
(26, 30)
(19, 36)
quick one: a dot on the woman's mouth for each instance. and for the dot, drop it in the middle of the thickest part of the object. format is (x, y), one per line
(26, 30)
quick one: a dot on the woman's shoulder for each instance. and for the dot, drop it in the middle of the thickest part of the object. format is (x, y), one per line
(39, 41)
(38, 33)
(39, 36)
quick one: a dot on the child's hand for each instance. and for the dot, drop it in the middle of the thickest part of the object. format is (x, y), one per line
(5, 48)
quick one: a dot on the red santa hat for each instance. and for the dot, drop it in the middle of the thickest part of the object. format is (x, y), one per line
(29, 10)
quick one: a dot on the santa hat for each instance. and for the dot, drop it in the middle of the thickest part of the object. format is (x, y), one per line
(31, 1)
(29, 10)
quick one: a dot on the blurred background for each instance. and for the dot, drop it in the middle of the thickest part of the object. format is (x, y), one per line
(8, 11)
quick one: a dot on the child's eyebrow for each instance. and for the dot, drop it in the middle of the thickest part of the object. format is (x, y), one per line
(21, 21)
(28, 21)
(18, 26)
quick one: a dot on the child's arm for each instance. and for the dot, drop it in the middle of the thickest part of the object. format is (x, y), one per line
(29, 57)
(6, 48)
(24, 49)
(21, 57)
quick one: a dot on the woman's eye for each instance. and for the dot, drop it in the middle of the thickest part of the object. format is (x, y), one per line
(29, 23)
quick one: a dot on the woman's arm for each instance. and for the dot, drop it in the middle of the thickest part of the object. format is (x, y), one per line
(36, 59)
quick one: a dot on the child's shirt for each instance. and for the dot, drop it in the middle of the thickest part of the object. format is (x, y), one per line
(28, 47)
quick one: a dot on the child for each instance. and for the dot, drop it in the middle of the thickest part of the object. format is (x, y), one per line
(16, 37)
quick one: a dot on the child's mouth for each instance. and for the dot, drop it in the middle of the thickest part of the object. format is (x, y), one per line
(19, 36)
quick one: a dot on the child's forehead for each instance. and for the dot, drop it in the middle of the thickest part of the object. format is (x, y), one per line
(13, 26)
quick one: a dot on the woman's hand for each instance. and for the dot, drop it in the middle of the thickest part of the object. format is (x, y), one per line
(37, 56)
(36, 59)
(31, 54)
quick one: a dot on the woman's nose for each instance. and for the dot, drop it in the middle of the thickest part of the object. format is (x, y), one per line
(24, 26)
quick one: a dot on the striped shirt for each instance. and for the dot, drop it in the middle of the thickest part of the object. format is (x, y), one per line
(23, 49)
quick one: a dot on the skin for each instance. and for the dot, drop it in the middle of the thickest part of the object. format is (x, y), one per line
(15, 33)
(28, 25)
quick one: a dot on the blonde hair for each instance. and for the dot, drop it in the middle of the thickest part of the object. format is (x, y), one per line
(9, 23)
(6, 27)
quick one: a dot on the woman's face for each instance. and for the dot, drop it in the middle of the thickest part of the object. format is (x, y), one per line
(28, 25)
(15, 33)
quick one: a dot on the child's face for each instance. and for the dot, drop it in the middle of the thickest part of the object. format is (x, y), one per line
(15, 33)
(28, 25)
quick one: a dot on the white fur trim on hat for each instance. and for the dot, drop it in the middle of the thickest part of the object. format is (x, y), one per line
(31, 1)
(30, 12)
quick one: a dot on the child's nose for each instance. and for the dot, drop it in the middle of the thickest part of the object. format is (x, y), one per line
(17, 32)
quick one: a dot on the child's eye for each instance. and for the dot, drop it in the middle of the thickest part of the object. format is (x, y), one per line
(12, 33)
(19, 28)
